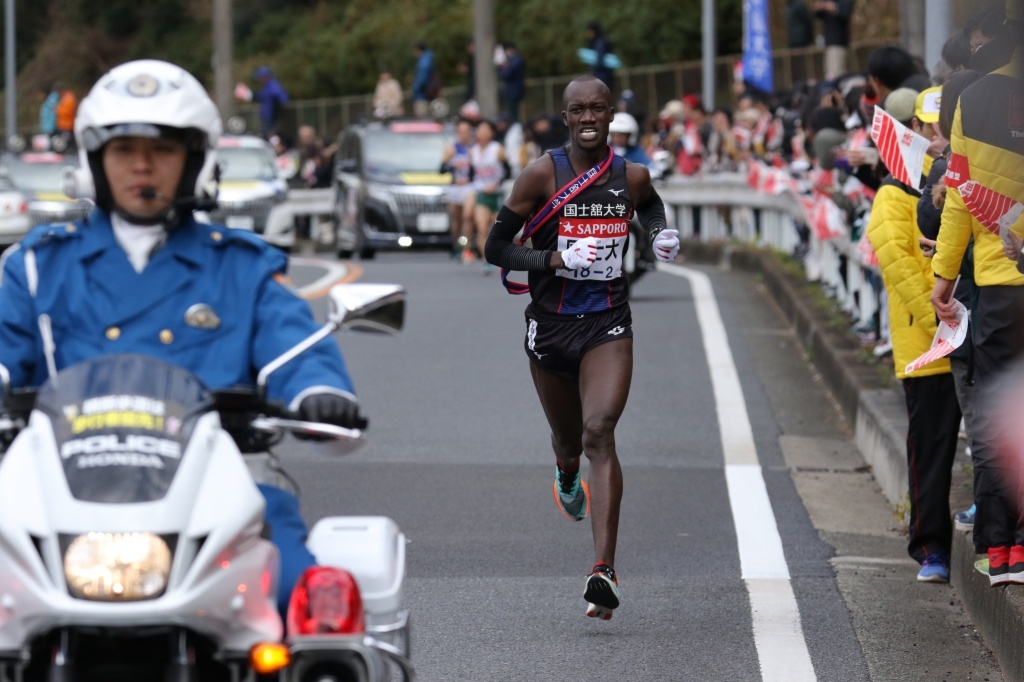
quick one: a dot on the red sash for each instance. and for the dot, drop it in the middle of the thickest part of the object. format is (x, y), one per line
(560, 197)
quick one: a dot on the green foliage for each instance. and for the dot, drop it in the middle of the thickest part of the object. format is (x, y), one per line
(322, 48)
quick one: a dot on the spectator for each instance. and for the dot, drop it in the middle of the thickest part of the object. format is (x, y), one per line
(513, 75)
(48, 110)
(67, 108)
(930, 392)
(424, 80)
(835, 26)
(271, 96)
(799, 24)
(387, 97)
(929, 220)
(602, 47)
(994, 163)
(956, 52)
(889, 67)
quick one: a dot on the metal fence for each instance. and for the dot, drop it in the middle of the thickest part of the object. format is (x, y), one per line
(651, 85)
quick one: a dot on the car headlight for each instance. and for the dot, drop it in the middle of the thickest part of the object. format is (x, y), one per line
(117, 566)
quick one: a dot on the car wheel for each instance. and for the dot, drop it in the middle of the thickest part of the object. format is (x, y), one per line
(367, 253)
(345, 254)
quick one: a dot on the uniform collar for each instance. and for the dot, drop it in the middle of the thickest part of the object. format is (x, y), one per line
(98, 237)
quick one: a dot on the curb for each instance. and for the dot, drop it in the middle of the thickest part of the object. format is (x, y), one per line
(877, 410)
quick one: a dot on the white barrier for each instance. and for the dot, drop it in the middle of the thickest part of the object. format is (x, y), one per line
(727, 208)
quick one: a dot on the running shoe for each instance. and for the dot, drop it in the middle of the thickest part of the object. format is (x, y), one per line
(1016, 573)
(965, 520)
(998, 566)
(571, 494)
(934, 569)
(602, 592)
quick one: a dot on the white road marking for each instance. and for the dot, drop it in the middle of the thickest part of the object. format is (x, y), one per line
(778, 635)
(335, 272)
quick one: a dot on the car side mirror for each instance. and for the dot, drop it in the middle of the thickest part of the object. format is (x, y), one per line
(368, 307)
(348, 166)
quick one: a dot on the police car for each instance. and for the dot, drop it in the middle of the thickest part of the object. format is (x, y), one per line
(253, 193)
(40, 175)
(14, 218)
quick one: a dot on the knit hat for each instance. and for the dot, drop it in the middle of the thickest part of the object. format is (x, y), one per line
(926, 106)
(900, 104)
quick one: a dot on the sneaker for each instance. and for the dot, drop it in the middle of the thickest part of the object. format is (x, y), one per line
(935, 569)
(571, 494)
(965, 520)
(998, 566)
(1016, 564)
(602, 592)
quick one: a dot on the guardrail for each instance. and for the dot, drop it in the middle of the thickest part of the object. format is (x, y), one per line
(723, 206)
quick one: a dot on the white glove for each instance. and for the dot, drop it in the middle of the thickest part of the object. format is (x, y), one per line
(666, 245)
(580, 254)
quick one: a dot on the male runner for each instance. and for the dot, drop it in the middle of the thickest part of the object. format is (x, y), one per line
(580, 199)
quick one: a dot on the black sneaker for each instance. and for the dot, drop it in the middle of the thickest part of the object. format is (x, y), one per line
(602, 592)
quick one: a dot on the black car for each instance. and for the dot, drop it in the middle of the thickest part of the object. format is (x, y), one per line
(390, 192)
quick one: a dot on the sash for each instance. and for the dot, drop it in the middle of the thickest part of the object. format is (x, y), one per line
(566, 193)
(995, 211)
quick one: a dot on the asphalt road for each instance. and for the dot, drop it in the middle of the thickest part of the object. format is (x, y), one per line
(458, 455)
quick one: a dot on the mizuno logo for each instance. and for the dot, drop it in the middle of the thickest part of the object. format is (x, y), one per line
(615, 331)
(616, 192)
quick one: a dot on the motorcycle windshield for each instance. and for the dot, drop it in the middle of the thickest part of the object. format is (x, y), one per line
(122, 423)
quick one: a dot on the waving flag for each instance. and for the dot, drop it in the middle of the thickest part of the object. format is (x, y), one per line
(900, 148)
(948, 337)
(997, 212)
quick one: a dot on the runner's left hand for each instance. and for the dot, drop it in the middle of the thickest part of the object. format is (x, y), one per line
(666, 245)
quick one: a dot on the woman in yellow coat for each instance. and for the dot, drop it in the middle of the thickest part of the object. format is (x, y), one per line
(932, 407)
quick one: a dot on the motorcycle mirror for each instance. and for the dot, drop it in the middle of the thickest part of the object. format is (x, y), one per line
(376, 308)
(362, 307)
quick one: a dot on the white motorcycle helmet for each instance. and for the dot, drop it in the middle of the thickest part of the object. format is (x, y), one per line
(151, 98)
(625, 123)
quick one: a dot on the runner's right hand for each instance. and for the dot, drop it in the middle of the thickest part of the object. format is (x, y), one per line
(580, 254)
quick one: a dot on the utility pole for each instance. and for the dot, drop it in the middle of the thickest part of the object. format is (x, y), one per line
(938, 26)
(223, 56)
(708, 54)
(9, 75)
(483, 58)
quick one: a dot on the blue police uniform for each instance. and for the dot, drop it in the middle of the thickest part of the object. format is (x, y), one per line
(210, 299)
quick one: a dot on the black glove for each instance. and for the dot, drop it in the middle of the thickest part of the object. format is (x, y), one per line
(332, 408)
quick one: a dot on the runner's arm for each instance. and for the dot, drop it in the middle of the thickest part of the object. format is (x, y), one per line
(501, 249)
(650, 209)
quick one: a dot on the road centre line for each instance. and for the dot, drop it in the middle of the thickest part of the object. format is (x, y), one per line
(778, 635)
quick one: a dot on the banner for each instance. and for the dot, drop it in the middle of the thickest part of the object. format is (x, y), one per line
(900, 148)
(757, 46)
(995, 211)
(948, 337)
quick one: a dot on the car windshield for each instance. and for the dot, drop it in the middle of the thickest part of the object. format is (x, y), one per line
(245, 163)
(388, 152)
(38, 176)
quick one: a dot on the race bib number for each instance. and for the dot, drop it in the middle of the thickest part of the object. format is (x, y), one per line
(611, 235)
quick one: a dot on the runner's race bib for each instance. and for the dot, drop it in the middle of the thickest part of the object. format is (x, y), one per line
(611, 235)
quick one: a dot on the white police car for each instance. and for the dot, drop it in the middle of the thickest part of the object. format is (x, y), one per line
(253, 193)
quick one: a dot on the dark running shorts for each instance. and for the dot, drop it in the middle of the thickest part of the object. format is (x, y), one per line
(557, 344)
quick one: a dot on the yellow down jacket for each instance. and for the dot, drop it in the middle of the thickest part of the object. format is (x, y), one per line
(988, 129)
(908, 278)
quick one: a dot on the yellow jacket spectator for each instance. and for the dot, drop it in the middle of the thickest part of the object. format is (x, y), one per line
(908, 278)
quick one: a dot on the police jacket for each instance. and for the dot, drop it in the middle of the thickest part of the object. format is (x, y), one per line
(988, 129)
(892, 230)
(212, 300)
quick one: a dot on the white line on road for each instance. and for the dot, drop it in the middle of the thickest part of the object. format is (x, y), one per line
(778, 635)
(335, 272)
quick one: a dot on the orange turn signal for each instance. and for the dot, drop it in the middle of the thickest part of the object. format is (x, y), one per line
(269, 657)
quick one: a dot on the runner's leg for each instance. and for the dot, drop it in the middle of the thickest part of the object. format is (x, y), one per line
(605, 376)
(560, 398)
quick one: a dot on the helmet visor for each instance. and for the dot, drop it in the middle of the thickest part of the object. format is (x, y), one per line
(94, 138)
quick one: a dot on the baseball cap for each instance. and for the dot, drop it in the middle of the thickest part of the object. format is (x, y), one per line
(900, 104)
(926, 106)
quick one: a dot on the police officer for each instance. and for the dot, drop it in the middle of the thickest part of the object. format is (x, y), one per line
(140, 275)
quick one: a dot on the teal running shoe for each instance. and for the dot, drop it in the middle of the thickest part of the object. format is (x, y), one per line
(571, 495)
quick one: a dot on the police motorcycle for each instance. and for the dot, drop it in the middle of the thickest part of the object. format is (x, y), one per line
(132, 542)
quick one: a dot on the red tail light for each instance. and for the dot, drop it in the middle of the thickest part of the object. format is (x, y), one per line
(326, 600)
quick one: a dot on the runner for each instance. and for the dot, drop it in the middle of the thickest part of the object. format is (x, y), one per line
(460, 192)
(490, 168)
(579, 329)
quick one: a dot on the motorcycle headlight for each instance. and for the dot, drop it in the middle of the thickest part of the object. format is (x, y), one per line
(117, 566)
